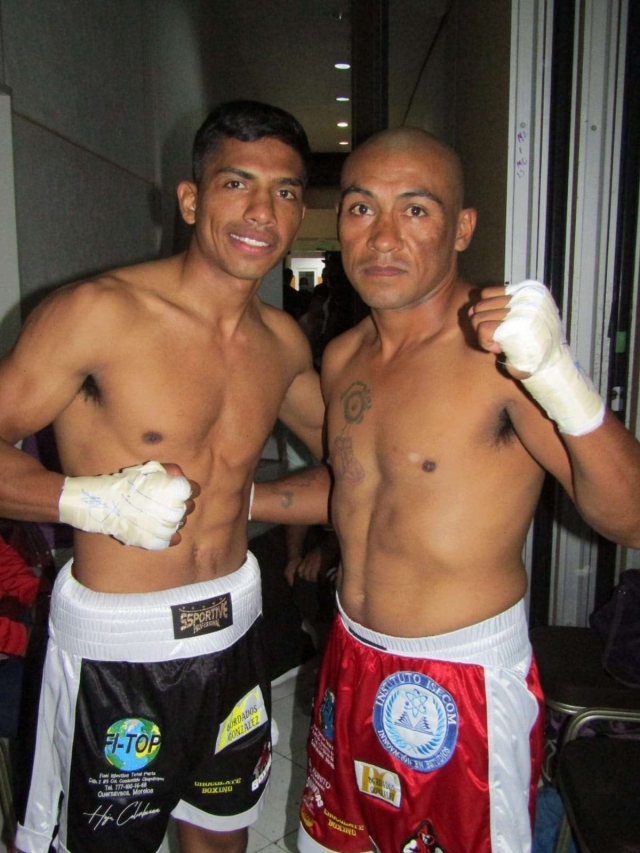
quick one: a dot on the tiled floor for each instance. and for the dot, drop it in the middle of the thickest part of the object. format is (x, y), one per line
(277, 827)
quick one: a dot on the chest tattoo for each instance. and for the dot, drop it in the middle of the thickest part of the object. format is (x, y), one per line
(345, 465)
(356, 400)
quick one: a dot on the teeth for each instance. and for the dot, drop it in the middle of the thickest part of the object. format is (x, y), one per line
(249, 241)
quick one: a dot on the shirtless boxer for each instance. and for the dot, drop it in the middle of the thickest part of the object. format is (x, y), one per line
(155, 698)
(428, 706)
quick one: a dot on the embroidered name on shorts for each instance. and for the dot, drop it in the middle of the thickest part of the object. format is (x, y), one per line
(378, 782)
(416, 720)
(246, 717)
(202, 617)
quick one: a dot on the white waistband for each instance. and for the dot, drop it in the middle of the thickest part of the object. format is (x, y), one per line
(181, 622)
(502, 640)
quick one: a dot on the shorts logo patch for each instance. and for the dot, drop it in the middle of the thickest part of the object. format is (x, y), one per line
(248, 715)
(416, 720)
(423, 840)
(132, 744)
(261, 770)
(202, 617)
(327, 710)
(378, 782)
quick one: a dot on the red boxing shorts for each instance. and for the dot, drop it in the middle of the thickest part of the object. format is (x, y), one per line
(427, 744)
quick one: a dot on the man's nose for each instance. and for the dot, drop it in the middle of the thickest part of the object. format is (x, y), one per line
(385, 235)
(261, 208)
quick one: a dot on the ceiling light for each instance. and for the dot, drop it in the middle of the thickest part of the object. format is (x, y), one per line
(343, 142)
(342, 66)
(342, 98)
(343, 124)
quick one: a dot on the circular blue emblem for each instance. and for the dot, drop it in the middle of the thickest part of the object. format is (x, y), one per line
(416, 720)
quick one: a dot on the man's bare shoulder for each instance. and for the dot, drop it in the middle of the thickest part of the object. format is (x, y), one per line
(77, 306)
(341, 349)
(111, 297)
(287, 331)
(90, 316)
(151, 276)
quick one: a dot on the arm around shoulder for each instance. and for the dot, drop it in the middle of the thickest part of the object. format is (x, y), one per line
(302, 409)
(302, 498)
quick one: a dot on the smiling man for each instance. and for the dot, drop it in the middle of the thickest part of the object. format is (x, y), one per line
(155, 700)
(426, 732)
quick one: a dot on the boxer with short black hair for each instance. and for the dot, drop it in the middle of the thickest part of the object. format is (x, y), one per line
(427, 726)
(156, 701)
(246, 121)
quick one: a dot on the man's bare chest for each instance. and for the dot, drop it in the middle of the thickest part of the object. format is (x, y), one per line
(177, 405)
(391, 423)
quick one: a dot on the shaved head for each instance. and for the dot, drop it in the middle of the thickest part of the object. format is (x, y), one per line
(408, 140)
(401, 222)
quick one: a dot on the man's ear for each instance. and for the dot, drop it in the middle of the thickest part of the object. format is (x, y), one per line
(466, 226)
(187, 193)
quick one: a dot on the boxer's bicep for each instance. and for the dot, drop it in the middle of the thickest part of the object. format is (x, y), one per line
(58, 347)
(32, 394)
(302, 410)
(539, 435)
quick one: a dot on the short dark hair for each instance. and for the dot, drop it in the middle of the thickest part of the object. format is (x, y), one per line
(247, 121)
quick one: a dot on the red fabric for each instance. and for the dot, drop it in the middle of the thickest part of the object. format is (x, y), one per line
(13, 637)
(429, 809)
(16, 581)
(409, 799)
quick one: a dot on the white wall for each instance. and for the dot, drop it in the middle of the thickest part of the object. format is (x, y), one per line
(107, 95)
(83, 170)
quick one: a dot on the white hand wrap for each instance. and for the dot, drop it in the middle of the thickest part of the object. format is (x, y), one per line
(534, 342)
(142, 505)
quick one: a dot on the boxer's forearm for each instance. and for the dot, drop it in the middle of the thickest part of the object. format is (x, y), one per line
(28, 491)
(302, 498)
(606, 477)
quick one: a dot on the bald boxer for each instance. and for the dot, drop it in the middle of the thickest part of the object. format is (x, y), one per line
(444, 410)
(155, 698)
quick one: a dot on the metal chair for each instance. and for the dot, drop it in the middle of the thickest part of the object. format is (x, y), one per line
(598, 780)
(570, 665)
(571, 673)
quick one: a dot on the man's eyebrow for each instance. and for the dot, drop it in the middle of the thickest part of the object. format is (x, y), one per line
(285, 180)
(231, 170)
(421, 193)
(354, 188)
(417, 193)
(289, 182)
